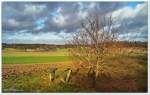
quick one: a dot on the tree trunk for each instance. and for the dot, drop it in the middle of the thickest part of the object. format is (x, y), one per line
(93, 79)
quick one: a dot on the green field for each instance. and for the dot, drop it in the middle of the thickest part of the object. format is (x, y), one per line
(15, 52)
(33, 59)
(27, 72)
(10, 56)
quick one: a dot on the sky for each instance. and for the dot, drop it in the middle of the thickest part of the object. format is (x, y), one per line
(55, 22)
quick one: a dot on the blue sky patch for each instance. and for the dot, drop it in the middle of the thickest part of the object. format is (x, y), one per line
(133, 4)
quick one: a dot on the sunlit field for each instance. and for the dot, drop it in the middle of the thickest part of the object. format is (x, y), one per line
(13, 56)
(29, 72)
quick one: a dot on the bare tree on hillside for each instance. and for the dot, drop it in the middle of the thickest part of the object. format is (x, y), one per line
(91, 44)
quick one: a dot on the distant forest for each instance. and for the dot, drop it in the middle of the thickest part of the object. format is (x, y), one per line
(52, 46)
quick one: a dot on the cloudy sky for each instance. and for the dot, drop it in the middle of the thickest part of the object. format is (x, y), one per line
(51, 22)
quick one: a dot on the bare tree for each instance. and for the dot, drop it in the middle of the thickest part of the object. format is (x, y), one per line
(91, 44)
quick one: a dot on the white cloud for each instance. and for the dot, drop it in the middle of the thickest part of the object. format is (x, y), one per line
(81, 6)
(82, 14)
(33, 9)
(60, 20)
(143, 8)
(13, 22)
(130, 12)
(128, 16)
(45, 36)
(63, 35)
(49, 37)
(123, 13)
(92, 5)
(59, 10)
(137, 34)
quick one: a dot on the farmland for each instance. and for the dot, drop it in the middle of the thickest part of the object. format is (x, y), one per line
(11, 56)
(29, 72)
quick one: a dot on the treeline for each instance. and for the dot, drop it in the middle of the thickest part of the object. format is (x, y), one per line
(133, 44)
(52, 46)
(31, 46)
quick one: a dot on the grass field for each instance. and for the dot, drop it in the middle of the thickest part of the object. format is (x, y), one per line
(15, 52)
(33, 59)
(11, 56)
(29, 72)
